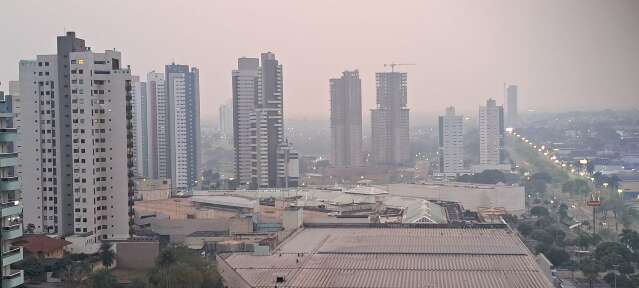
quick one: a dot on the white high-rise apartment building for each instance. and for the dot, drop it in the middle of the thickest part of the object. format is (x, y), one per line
(158, 125)
(140, 127)
(390, 120)
(346, 120)
(491, 133)
(183, 95)
(76, 118)
(451, 143)
(263, 157)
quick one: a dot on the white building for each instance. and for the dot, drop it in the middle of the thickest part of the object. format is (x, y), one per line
(390, 120)
(76, 113)
(263, 158)
(491, 133)
(140, 127)
(346, 120)
(451, 143)
(158, 125)
(183, 94)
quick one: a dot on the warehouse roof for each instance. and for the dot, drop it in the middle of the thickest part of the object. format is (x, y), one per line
(356, 255)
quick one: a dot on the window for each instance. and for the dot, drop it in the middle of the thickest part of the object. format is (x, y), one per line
(81, 62)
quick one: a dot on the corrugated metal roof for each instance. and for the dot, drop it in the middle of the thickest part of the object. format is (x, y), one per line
(394, 257)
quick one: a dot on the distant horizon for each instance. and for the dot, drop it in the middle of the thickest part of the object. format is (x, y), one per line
(568, 55)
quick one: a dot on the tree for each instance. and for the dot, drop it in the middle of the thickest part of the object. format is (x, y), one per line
(563, 212)
(557, 256)
(539, 211)
(137, 283)
(33, 267)
(525, 229)
(577, 187)
(74, 273)
(107, 256)
(557, 234)
(542, 236)
(590, 268)
(584, 240)
(178, 266)
(102, 279)
(630, 238)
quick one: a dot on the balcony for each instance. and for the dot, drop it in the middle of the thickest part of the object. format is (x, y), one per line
(10, 208)
(12, 256)
(9, 184)
(11, 232)
(15, 279)
(8, 159)
(8, 134)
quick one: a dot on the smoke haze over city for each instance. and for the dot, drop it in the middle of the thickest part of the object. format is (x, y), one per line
(563, 55)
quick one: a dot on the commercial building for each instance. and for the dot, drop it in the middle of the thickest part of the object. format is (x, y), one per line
(346, 120)
(390, 120)
(76, 143)
(263, 156)
(183, 94)
(10, 195)
(451, 143)
(491, 134)
(512, 116)
(397, 255)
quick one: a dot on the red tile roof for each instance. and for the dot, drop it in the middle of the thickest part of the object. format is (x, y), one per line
(39, 243)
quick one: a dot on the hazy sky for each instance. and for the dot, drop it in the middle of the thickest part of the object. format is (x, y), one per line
(577, 54)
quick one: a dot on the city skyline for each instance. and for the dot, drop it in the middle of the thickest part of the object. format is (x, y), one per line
(460, 58)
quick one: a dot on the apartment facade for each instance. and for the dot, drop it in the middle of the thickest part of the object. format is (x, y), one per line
(158, 124)
(183, 94)
(77, 143)
(451, 143)
(346, 120)
(10, 195)
(390, 120)
(263, 157)
(491, 133)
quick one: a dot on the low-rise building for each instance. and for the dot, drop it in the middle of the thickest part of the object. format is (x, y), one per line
(398, 255)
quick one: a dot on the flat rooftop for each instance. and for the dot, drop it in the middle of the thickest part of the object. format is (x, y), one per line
(397, 255)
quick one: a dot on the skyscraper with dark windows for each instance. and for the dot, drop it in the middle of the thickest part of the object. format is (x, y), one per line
(390, 120)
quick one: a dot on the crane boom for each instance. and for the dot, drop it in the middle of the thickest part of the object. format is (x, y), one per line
(392, 65)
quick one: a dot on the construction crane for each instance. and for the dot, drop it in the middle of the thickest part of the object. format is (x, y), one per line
(392, 65)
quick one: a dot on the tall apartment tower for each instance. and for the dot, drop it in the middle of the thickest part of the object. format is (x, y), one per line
(512, 116)
(346, 120)
(10, 205)
(158, 125)
(140, 127)
(491, 133)
(451, 143)
(76, 144)
(183, 94)
(263, 157)
(390, 120)
(225, 121)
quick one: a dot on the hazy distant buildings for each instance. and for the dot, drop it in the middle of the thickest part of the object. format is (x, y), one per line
(76, 117)
(225, 121)
(346, 120)
(390, 120)
(491, 133)
(451, 143)
(183, 94)
(263, 158)
(512, 116)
